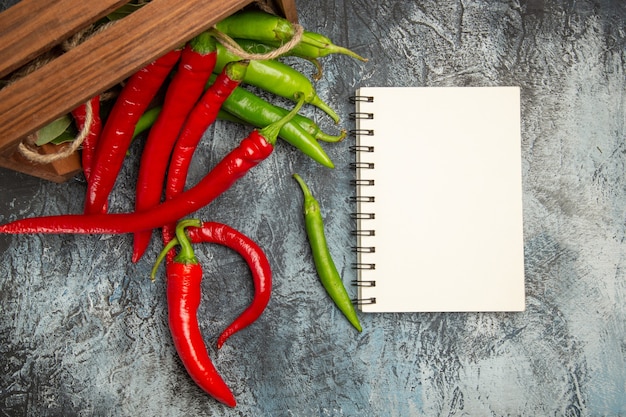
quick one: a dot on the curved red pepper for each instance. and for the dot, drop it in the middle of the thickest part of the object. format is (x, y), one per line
(118, 130)
(250, 152)
(213, 232)
(184, 278)
(196, 64)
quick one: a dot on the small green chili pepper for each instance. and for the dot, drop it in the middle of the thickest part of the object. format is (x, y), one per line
(324, 264)
(252, 24)
(146, 120)
(276, 78)
(308, 47)
(262, 112)
(276, 30)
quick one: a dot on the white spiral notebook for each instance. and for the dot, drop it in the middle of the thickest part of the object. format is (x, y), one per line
(438, 199)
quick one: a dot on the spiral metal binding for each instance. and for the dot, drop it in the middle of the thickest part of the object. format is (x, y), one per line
(360, 148)
(362, 165)
(361, 132)
(364, 249)
(358, 283)
(363, 232)
(367, 99)
(361, 115)
(362, 199)
(363, 301)
(363, 216)
(360, 182)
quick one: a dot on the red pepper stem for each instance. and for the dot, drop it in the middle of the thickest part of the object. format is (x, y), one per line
(236, 70)
(271, 131)
(203, 44)
(186, 254)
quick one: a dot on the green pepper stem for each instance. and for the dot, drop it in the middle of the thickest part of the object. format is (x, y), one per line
(303, 186)
(318, 67)
(271, 131)
(161, 256)
(325, 137)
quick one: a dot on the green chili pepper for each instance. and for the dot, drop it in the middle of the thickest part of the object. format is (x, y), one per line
(308, 47)
(276, 78)
(261, 112)
(259, 48)
(255, 24)
(146, 120)
(275, 30)
(258, 112)
(303, 50)
(326, 269)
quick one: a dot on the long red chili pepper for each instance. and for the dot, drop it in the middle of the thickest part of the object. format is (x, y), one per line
(251, 151)
(194, 69)
(120, 125)
(184, 278)
(213, 232)
(91, 140)
(198, 121)
(201, 117)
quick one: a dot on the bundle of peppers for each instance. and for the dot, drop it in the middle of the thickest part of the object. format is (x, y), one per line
(204, 81)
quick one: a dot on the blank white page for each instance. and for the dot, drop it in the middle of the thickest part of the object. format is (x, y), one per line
(447, 184)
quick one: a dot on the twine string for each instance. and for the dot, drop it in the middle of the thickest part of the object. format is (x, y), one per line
(233, 47)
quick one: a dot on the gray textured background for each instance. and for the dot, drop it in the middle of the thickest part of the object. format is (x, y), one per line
(83, 331)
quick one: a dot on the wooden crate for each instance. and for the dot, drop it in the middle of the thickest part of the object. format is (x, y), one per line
(44, 95)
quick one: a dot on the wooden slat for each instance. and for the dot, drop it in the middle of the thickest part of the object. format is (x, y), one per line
(103, 61)
(33, 26)
(287, 8)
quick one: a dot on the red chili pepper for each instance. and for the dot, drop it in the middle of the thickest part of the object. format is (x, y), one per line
(194, 69)
(251, 151)
(213, 232)
(120, 125)
(91, 140)
(200, 118)
(184, 279)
